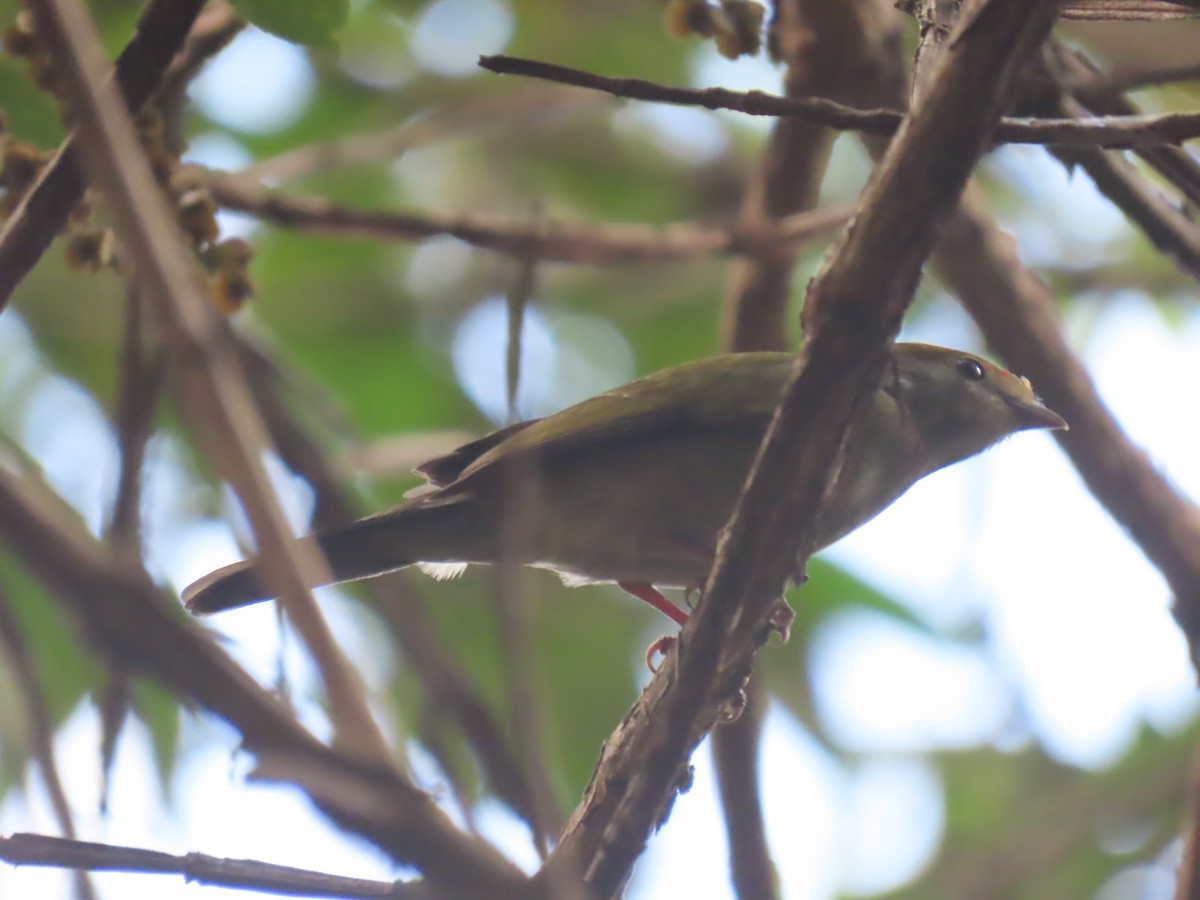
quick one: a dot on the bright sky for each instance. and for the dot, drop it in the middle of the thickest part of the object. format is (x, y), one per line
(1078, 627)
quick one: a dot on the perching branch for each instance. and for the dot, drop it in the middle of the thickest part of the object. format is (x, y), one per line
(855, 308)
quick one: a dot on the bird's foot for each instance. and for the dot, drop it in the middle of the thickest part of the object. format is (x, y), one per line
(659, 648)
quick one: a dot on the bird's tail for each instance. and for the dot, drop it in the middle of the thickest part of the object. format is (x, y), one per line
(361, 549)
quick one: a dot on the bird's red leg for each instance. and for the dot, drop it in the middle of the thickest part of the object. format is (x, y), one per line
(648, 594)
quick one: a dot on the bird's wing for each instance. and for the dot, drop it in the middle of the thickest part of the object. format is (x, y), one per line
(696, 395)
(443, 470)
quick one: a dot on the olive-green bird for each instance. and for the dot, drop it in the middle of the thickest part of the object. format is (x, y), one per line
(633, 486)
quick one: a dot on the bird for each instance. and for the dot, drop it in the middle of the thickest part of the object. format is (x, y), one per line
(634, 485)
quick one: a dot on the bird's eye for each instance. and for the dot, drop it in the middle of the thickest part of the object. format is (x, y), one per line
(970, 369)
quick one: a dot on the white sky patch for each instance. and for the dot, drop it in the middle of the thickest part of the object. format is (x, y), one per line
(1077, 224)
(691, 136)
(563, 361)
(894, 821)
(436, 266)
(884, 687)
(450, 35)
(258, 84)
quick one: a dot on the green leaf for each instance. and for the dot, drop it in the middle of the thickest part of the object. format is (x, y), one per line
(312, 22)
(159, 711)
(29, 112)
(65, 670)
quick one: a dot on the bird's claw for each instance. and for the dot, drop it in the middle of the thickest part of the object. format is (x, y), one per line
(733, 707)
(659, 648)
(780, 621)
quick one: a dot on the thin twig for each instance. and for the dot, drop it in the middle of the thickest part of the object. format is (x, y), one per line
(1116, 83)
(1187, 882)
(1063, 67)
(526, 110)
(1114, 132)
(140, 384)
(448, 689)
(214, 30)
(26, 849)
(1129, 10)
(140, 387)
(549, 241)
(41, 728)
(522, 496)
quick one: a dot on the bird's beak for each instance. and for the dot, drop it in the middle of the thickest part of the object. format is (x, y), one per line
(1035, 415)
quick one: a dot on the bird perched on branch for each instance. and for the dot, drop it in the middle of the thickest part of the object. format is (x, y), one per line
(633, 486)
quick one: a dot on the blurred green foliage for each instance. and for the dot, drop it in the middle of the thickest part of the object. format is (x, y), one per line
(352, 326)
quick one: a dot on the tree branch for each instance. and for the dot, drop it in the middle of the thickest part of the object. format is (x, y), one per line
(222, 415)
(23, 849)
(600, 245)
(855, 308)
(43, 211)
(125, 616)
(1113, 132)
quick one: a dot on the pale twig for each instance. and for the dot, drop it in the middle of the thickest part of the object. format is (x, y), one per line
(1129, 10)
(527, 110)
(522, 496)
(547, 240)
(450, 694)
(1116, 83)
(207, 365)
(41, 728)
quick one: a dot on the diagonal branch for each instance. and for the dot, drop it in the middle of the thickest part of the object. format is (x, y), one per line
(831, 49)
(448, 688)
(123, 614)
(214, 395)
(855, 308)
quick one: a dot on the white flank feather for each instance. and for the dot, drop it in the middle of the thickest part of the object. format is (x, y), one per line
(442, 571)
